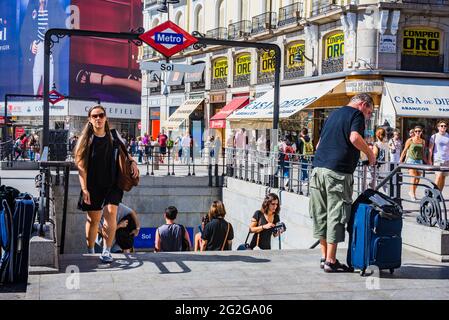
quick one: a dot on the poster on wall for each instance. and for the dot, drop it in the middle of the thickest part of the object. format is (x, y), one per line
(387, 43)
(421, 42)
(106, 68)
(243, 65)
(267, 62)
(220, 68)
(23, 24)
(335, 46)
(291, 53)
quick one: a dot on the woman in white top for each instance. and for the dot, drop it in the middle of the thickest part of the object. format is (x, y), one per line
(395, 147)
(380, 149)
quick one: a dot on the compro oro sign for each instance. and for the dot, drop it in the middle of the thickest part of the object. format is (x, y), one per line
(220, 68)
(243, 64)
(421, 42)
(292, 51)
(267, 62)
(35, 108)
(335, 45)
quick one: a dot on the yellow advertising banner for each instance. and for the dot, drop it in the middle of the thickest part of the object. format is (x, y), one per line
(292, 50)
(220, 68)
(243, 64)
(421, 42)
(267, 62)
(335, 45)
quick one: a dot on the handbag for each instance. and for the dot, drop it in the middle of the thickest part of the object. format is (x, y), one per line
(125, 179)
(246, 245)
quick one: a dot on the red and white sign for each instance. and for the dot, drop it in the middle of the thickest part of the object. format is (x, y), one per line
(168, 38)
(139, 125)
(54, 97)
(19, 131)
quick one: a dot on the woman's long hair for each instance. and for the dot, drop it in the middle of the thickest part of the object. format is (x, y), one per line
(82, 146)
(266, 203)
(217, 210)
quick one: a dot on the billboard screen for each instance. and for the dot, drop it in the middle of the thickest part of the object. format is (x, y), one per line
(106, 68)
(23, 24)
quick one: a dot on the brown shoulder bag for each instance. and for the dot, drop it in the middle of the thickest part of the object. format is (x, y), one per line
(125, 179)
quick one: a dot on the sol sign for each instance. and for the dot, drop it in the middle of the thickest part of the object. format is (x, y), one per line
(292, 50)
(335, 45)
(220, 68)
(421, 42)
(267, 62)
(243, 64)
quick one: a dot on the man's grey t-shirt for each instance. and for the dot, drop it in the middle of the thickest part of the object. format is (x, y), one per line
(441, 146)
(171, 237)
(335, 150)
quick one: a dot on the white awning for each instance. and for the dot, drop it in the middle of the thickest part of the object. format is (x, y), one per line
(181, 115)
(412, 97)
(292, 100)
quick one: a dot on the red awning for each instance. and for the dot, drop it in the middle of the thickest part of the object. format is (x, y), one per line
(219, 120)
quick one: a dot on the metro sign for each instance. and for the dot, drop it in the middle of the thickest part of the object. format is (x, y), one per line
(168, 39)
(54, 97)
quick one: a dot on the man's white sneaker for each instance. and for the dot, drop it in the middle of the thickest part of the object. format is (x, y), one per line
(106, 257)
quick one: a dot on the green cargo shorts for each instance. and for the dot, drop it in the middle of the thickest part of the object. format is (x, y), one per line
(330, 203)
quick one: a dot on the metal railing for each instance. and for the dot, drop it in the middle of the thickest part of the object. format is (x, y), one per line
(6, 151)
(434, 2)
(422, 63)
(291, 173)
(263, 22)
(242, 80)
(290, 14)
(197, 86)
(332, 65)
(218, 84)
(218, 33)
(294, 72)
(239, 29)
(322, 9)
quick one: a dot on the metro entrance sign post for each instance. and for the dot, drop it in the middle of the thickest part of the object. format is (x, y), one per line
(168, 39)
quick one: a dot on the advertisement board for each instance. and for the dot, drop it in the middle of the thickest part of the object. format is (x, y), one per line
(106, 68)
(23, 24)
(292, 50)
(243, 64)
(335, 45)
(267, 62)
(220, 68)
(421, 42)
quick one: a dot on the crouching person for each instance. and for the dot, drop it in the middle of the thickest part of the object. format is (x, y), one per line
(128, 227)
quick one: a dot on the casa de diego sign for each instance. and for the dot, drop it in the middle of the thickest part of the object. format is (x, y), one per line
(168, 38)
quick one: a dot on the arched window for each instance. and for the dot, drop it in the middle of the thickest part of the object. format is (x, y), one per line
(179, 20)
(199, 19)
(220, 14)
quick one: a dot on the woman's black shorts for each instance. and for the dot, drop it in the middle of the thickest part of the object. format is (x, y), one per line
(100, 197)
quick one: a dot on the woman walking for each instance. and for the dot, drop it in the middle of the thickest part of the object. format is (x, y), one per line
(98, 172)
(263, 222)
(413, 153)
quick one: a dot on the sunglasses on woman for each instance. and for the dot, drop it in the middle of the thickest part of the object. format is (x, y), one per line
(99, 115)
(417, 131)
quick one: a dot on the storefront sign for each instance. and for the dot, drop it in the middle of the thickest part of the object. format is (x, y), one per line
(243, 64)
(220, 68)
(387, 44)
(335, 45)
(292, 51)
(155, 113)
(267, 62)
(113, 110)
(421, 42)
(358, 86)
(35, 108)
(217, 98)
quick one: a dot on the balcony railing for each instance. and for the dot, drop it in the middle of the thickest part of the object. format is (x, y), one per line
(242, 81)
(261, 22)
(422, 63)
(197, 86)
(290, 14)
(436, 2)
(239, 29)
(295, 72)
(156, 90)
(322, 9)
(218, 33)
(332, 65)
(149, 3)
(218, 84)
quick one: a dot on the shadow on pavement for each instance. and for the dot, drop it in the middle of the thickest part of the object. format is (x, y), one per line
(13, 288)
(419, 272)
(133, 261)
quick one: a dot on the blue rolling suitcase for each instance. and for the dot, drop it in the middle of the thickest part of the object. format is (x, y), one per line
(375, 233)
(19, 225)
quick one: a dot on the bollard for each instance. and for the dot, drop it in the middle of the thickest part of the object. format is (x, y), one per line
(217, 180)
(193, 162)
(209, 172)
(168, 162)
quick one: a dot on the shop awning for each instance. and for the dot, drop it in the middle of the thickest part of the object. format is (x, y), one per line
(413, 97)
(218, 121)
(292, 100)
(181, 115)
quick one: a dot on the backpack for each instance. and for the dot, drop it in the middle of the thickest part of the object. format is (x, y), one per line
(308, 147)
(170, 143)
(287, 152)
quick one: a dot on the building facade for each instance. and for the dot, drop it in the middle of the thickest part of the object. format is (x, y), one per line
(396, 50)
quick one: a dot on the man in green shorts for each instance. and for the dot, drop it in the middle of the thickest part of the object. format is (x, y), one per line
(331, 181)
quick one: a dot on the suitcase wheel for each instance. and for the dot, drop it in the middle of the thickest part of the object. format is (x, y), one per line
(362, 272)
(391, 271)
